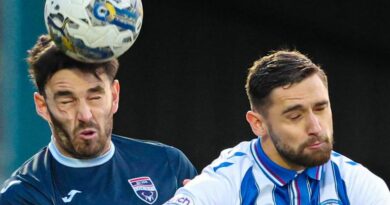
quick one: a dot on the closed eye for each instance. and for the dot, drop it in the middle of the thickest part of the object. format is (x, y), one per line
(321, 106)
(294, 116)
(64, 102)
(95, 98)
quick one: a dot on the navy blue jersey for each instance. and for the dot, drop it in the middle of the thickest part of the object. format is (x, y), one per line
(132, 172)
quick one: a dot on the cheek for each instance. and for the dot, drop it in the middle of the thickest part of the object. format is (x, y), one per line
(101, 115)
(293, 135)
(327, 124)
(102, 106)
(330, 123)
(65, 117)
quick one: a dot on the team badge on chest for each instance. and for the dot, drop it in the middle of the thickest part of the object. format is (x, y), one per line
(144, 189)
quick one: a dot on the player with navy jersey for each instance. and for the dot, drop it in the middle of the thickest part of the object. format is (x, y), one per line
(84, 162)
(292, 161)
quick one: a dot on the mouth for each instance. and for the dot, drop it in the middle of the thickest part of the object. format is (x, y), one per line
(316, 145)
(87, 134)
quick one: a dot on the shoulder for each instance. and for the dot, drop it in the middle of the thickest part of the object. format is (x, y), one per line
(29, 183)
(351, 170)
(237, 158)
(360, 182)
(143, 146)
(224, 175)
(149, 150)
(36, 168)
(12, 191)
(152, 152)
(137, 145)
(17, 191)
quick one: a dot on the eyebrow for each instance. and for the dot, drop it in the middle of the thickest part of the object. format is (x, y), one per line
(66, 93)
(324, 102)
(97, 89)
(299, 106)
(292, 108)
(62, 93)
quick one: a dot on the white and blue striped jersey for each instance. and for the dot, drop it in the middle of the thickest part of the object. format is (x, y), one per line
(244, 175)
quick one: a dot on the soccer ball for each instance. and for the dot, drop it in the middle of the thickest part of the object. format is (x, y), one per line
(93, 30)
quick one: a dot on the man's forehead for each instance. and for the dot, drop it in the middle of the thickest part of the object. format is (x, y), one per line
(74, 79)
(310, 91)
(77, 75)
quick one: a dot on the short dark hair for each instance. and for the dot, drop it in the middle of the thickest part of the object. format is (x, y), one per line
(280, 68)
(45, 59)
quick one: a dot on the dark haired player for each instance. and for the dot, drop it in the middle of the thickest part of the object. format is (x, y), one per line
(84, 162)
(291, 162)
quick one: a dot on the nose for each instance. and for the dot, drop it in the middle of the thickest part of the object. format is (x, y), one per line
(84, 113)
(313, 125)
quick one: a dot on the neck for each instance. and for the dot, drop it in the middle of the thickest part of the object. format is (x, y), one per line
(270, 150)
(80, 163)
(66, 153)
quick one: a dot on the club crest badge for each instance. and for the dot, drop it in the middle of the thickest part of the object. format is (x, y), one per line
(144, 189)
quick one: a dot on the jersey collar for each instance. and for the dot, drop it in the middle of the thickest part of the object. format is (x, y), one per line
(80, 163)
(277, 174)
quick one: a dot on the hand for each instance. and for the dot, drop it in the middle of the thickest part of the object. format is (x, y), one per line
(185, 181)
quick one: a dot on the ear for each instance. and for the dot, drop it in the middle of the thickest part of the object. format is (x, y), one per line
(115, 96)
(41, 106)
(257, 123)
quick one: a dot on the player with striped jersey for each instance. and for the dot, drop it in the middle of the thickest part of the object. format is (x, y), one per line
(292, 161)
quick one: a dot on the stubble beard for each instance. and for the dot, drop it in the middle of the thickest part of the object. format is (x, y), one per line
(78, 148)
(298, 156)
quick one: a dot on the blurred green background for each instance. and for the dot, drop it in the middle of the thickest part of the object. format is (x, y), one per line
(22, 132)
